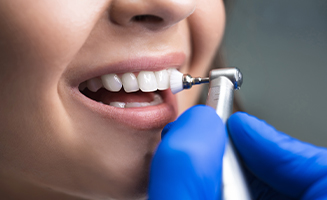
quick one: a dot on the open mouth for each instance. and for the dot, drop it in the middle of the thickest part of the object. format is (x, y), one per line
(134, 92)
(128, 90)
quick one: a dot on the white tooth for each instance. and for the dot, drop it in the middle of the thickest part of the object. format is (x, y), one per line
(94, 84)
(111, 82)
(144, 104)
(132, 104)
(147, 81)
(130, 82)
(118, 104)
(137, 104)
(162, 79)
(156, 100)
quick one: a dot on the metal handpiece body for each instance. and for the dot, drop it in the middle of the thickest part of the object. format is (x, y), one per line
(223, 82)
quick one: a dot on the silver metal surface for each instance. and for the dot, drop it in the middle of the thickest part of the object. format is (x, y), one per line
(233, 74)
(223, 82)
(220, 96)
(189, 81)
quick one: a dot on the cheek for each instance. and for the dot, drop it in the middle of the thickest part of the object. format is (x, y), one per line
(38, 39)
(41, 37)
(207, 27)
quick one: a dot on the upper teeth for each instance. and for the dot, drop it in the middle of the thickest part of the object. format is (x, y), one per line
(147, 81)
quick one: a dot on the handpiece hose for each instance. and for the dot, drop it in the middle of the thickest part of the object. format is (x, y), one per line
(223, 82)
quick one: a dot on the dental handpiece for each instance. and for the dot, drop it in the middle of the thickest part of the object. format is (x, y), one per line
(222, 83)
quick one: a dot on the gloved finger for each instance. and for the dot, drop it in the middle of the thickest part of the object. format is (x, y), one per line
(188, 161)
(286, 164)
(260, 190)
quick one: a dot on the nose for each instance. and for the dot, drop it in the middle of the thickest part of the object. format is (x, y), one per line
(151, 14)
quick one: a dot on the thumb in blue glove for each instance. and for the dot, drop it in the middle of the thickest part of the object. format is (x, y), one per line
(279, 166)
(188, 161)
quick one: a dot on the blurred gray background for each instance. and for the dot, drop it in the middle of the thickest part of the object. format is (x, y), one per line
(281, 48)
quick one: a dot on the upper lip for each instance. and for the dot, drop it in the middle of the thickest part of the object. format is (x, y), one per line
(171, 60)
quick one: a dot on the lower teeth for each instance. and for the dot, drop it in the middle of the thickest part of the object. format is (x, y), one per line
(156, 101)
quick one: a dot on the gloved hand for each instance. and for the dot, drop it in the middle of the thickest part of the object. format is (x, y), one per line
(187, 164)
(279, 166)
(188, 161)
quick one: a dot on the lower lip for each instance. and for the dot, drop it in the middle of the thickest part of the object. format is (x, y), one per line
(141, 118)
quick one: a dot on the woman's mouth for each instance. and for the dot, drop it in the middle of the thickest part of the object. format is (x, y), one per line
(132, 93)
(127, 90)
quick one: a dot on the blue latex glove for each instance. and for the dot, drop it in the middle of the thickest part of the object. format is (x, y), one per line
(279, 167)
(188, 161)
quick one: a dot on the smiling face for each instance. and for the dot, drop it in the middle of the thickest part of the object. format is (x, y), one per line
(52, 135)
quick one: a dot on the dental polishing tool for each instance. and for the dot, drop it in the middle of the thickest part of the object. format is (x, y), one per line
(222, 83)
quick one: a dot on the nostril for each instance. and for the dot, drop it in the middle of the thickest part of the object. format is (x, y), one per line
(147, 19)
(150, 14)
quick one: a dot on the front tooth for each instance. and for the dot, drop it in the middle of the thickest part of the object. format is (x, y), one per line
(147, 81)
(111, 82)
(162, 79)
(132, 104)
(118, 104)
(94, 84)
(130, 82)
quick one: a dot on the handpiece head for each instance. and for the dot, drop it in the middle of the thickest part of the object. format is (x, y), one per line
(188, 81)
(233, 74)
(179, 81)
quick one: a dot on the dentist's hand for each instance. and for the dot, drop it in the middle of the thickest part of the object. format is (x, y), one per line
(187, 164)
(188, 161)
(279, 167)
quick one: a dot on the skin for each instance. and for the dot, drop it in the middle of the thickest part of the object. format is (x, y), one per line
(50, 147)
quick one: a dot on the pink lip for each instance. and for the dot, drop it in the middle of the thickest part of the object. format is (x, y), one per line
(143, 118)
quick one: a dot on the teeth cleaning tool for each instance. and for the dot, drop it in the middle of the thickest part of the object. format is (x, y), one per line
(222, 83)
